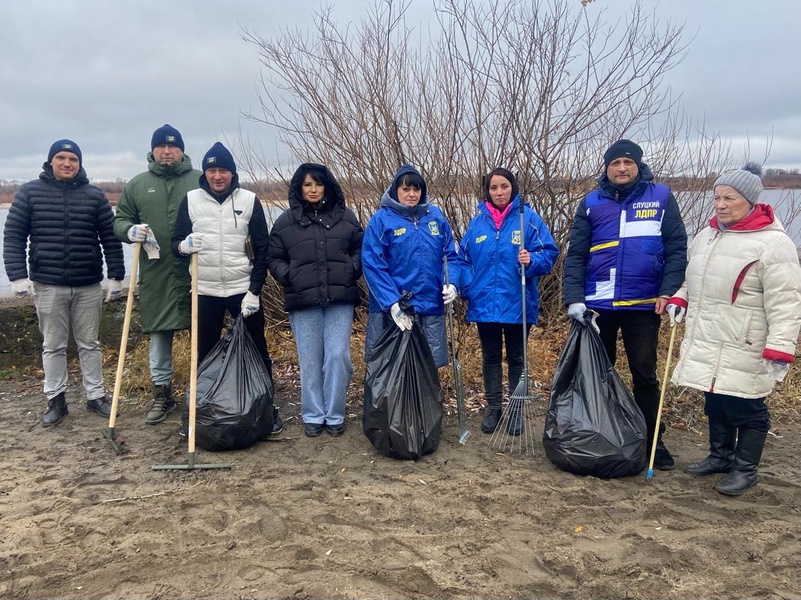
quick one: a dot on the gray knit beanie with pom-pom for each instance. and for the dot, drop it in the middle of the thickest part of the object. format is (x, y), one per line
(747, 181)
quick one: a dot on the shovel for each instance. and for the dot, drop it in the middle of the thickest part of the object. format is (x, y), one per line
(464, 434)
(190, 463)
(119, 446)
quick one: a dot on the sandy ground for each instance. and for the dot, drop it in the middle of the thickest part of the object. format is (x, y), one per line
(298, 517)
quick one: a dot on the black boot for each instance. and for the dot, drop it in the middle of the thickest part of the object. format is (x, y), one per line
(515, 424)
(743, 475)
(721, 450)
(56, 411)
(493, 390)
(163, 403)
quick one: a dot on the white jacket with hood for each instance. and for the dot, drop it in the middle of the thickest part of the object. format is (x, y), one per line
(742, 291)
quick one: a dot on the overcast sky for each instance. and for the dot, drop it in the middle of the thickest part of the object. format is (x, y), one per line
(106, 74)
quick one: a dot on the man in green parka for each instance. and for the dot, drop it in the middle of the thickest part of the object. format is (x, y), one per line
(146, 212)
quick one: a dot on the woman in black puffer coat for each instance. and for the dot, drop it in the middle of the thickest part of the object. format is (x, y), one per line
(315, 254)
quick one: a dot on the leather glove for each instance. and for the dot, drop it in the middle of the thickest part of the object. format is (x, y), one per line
(192, 244)
(250, 305)
(676, 313)
(402, 320)
(449, 293)
(777, 370)
(22, 287)
(139, 233)
(113, 290)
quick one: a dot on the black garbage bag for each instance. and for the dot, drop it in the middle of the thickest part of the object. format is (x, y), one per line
(234, 407)
(402, 397)
(593, 426)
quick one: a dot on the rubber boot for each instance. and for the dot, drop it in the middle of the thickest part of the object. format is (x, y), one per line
(163, 403)
(493, 390)
(743, 475)
(722, 439)
(56, 411)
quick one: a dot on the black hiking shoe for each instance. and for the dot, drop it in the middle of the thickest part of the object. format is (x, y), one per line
(56, 411)
(313, 429)
(492, 418)
(515, 425)
(335, 430)
(278, 424)
(162, 404)
(101, 406)
(663, 461)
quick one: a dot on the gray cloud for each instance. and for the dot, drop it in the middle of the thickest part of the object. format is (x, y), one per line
(106, 74)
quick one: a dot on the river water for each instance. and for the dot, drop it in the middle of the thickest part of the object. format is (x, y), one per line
(782, 200)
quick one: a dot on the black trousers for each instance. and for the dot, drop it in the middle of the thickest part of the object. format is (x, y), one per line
(211, 315)
(492, 337)
(736, 412)
(640, 331)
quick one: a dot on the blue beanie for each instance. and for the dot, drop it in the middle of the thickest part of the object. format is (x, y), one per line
(623, 148)
(167, 134)
(65, 146)
(219, 156)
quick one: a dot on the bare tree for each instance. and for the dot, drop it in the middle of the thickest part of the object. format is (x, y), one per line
(540, 87)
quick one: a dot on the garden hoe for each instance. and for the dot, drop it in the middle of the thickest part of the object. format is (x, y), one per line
(649, 474)
(190, 464)
(514, 430)
(119, 446)
(464, 434)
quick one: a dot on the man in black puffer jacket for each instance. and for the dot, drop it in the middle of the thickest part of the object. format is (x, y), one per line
(67, 221)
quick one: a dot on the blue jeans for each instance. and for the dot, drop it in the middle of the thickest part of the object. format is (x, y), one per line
(60, 308)
(322, 336)
(161, 357)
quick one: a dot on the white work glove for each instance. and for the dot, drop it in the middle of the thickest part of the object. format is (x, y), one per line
(250, 305)
(576, 311)
(139, 233)
(22, 287)
(676, 313)
(449, 293)
(192, 244)
(777, 370)
(402, 320)
(113, 290)
(151, 247)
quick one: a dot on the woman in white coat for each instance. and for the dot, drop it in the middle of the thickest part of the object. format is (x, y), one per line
(742, 298)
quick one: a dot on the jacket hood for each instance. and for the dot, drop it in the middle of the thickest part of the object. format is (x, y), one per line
(608, 189)
(390, 198)
(760, 218)
(168, 171)
(334, 196)
(47, 176)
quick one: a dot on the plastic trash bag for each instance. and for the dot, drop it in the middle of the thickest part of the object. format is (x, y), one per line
(402, 397)
(234, 407)
(593, 426)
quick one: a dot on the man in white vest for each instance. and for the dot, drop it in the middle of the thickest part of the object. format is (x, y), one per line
(219, 222)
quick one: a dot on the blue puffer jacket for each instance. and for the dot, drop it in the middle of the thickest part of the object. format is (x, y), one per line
(491, 275)
(402, 251)
(625, 249)
(69, 224)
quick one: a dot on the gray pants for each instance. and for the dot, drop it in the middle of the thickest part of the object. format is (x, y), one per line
(59, 307)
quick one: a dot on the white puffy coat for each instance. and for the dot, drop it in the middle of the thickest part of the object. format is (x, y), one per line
(223, 266)
(742, 290)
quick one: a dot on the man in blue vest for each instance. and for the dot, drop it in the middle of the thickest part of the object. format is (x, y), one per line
(626, 258)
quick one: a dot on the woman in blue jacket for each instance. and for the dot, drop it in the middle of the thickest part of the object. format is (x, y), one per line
(403, 250)
(491, 283)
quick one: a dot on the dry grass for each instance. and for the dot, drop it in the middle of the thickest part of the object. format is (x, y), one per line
(682, 408)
